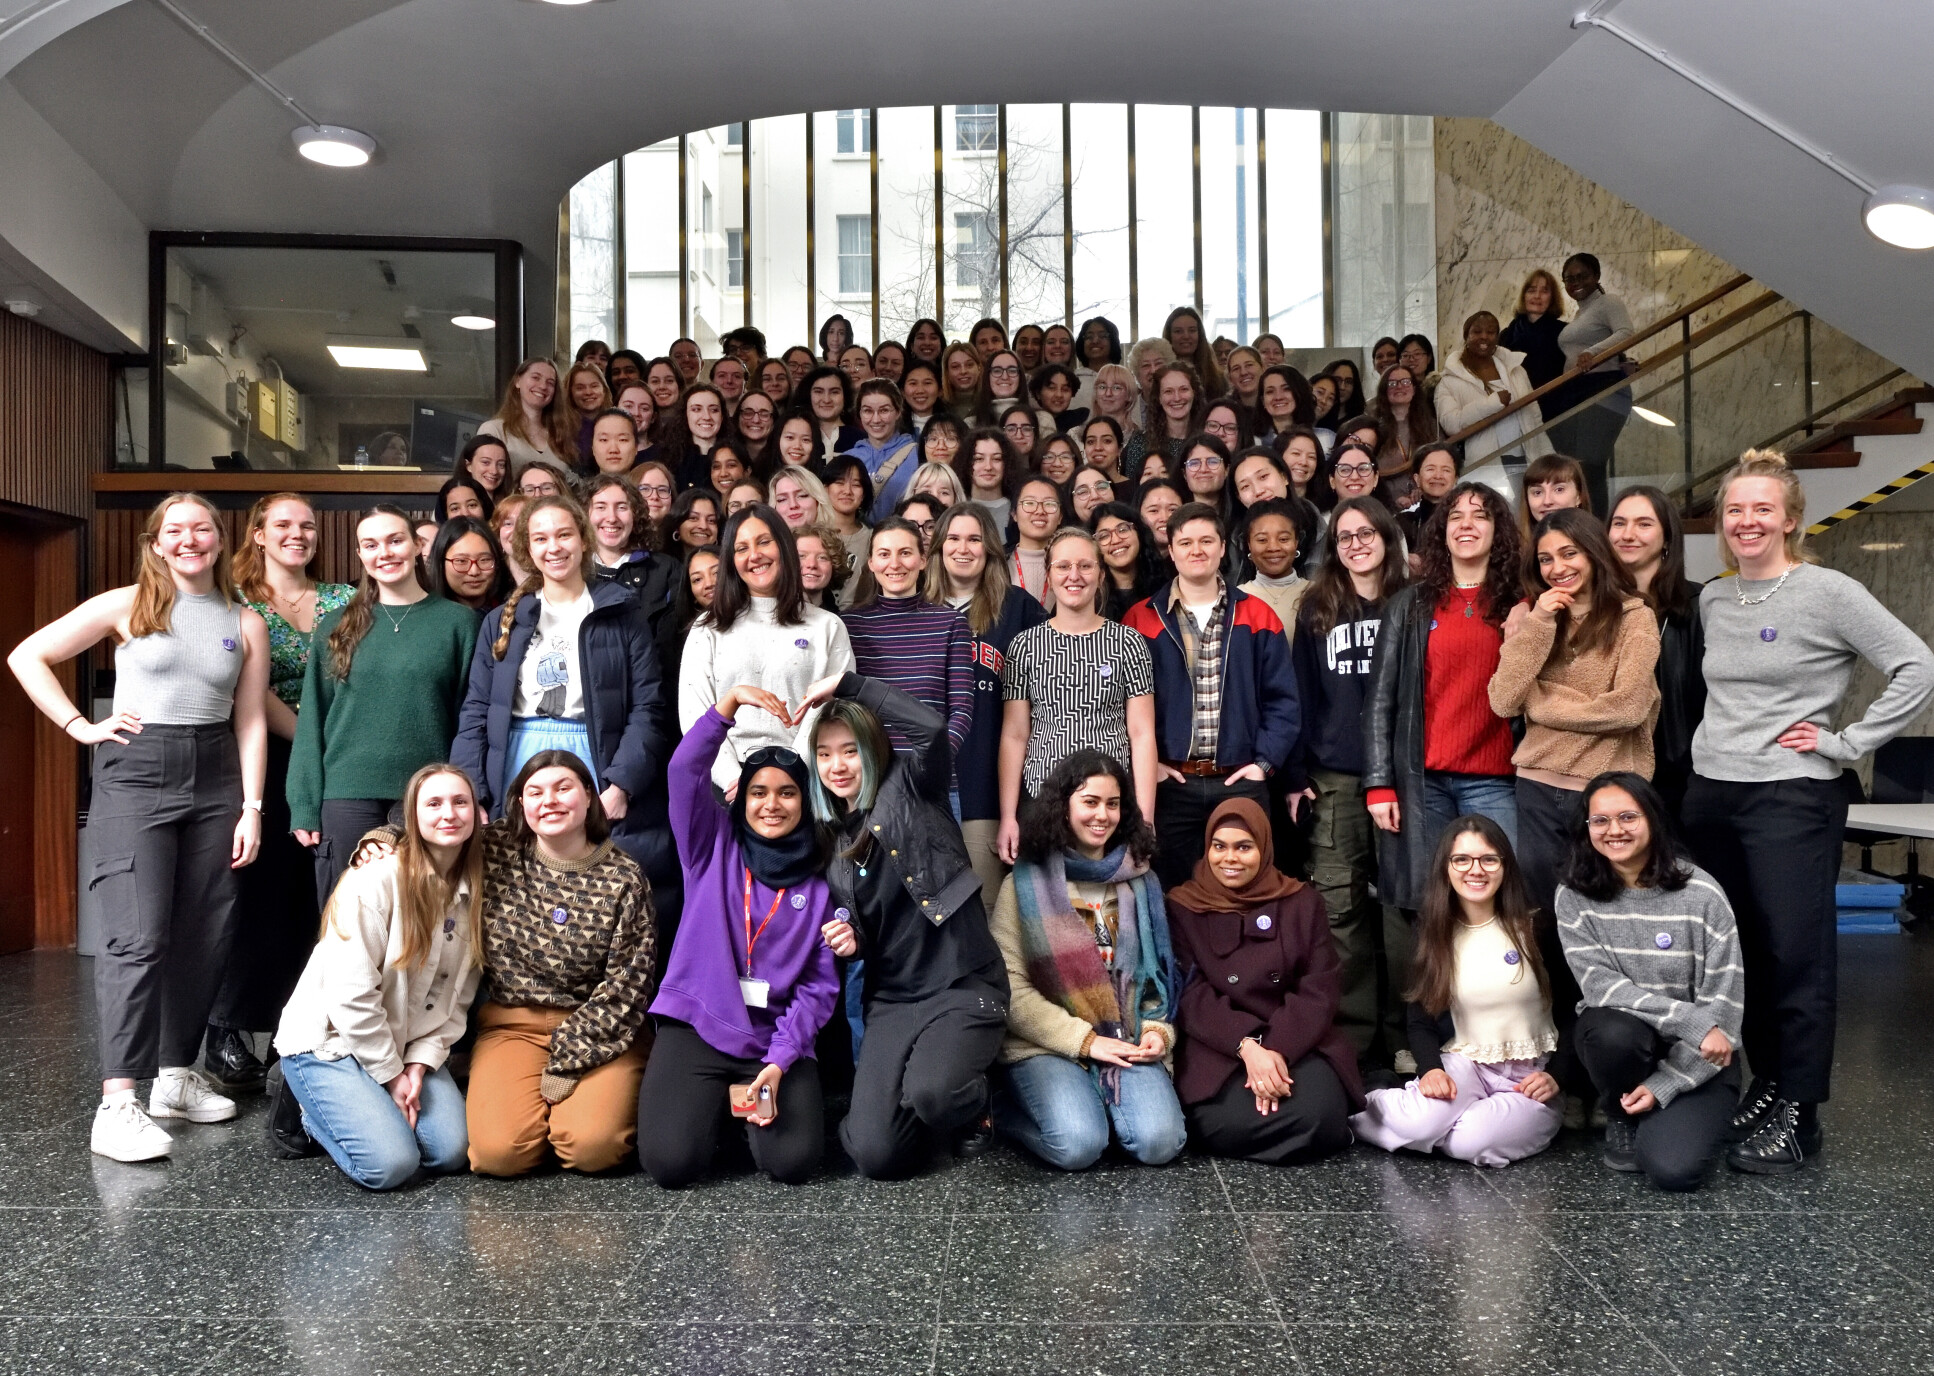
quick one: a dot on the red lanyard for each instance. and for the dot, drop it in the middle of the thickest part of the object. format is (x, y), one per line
(752, 937)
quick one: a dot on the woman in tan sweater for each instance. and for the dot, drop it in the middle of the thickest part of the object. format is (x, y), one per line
(1577, 663)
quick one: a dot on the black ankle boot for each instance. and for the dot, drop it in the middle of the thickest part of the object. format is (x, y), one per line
(1781, 1146)
(1621, 1143)
(977, 1140)
(1750, 1116)
(284, 1126)
(231, 1062)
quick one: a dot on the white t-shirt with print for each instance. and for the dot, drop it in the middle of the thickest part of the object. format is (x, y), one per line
(548, 680)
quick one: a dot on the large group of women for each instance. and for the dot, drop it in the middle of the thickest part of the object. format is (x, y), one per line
(1014, 737)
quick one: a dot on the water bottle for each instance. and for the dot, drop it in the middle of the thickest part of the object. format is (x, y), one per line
(362, 457)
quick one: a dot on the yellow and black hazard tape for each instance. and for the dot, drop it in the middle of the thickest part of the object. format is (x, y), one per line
(1852, 509)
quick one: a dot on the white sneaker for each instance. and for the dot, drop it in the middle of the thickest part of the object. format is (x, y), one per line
(1404, 1063)
(122, 1132)
(186, 1094)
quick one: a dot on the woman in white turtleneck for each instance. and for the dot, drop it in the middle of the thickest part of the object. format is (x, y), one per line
(762, 630)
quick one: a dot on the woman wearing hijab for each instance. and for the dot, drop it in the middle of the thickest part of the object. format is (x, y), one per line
(750, 983)
(1263, 1072)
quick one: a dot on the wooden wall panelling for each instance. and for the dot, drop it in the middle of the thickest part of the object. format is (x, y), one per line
(57, 760)
(56, 417)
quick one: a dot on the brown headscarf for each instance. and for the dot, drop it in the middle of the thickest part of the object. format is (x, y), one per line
(1206, 893)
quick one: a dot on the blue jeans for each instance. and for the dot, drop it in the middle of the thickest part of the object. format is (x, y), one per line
(1450, 796)
(353, 1118)
(1055, 1110)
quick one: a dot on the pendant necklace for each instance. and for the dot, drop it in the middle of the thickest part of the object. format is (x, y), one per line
(1746, 601)
(1470, 603)
(395, 622)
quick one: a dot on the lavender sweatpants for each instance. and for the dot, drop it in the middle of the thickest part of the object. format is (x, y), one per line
(1488, 1123)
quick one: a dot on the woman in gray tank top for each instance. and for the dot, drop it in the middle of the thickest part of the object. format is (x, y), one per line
(177, 808)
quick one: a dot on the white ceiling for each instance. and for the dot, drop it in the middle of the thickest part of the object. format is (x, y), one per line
(487, 110)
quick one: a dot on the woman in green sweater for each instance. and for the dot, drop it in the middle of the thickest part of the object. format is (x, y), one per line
(380, 696)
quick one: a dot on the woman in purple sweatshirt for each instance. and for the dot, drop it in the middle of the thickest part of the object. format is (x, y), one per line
(750, 982)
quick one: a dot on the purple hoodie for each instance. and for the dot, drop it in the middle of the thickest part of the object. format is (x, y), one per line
(701, 984)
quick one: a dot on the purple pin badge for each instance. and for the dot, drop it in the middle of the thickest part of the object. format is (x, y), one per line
(1511, 957)
(560, 916)
(803, 643)
(1663, 941)
(1769, 634)
(1264, 922)
(228, 643)
(1107, 670)
(799, 900)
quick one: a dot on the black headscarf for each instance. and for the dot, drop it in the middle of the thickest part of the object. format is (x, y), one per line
(777, 862)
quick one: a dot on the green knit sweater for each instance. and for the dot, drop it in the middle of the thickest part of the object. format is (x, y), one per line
(363, 736)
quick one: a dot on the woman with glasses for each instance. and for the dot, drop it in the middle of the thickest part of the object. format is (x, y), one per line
(657, 489)
(889, 453)
(1353, 471)
(1113, 393)
(857, 363)
(1037, 515)
(1088, 490)
(465, 566)
(1003, 385)
(1129, 557)
(1652, 942)
(1334, 647)
(1079, 681)
(1480, 1017)
(756, 420)
(1228, 422)
(965, 571)
(992, 470)
(1433, 748)
(1406, 417)
(1205, 470)
(1055, 458)
(942, 438)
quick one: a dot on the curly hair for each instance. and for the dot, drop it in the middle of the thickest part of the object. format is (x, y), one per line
(1044, 818)
(1502, 571)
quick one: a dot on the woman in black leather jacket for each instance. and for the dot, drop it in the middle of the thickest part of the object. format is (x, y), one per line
(1649, 539)
(933, 984)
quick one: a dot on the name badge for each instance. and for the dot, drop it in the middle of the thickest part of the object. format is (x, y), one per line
(755, 992)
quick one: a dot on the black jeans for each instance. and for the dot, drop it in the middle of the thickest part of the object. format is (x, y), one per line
(344, 820)
(277, 917)
(1775, 849)
(922, 1068)
(1591, 436)
(1313, 1122)
(1675, 1143)
(1544, 840)
(1182, 810)
(684, 1104)
(161, 833)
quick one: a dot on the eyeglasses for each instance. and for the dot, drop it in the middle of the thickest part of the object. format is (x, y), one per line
(1366, 535)
(482, 563)
(1224, 428)
(1018, 428)
(654, 490)
(1037, 504)
(1203, 465)
(1004, 372)
(1355, 470)
(1626, 821)
(1401, 384)
(1489, 864)
(924, 527)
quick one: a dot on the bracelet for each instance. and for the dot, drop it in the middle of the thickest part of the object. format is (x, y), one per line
(255, 803)
(78, 716)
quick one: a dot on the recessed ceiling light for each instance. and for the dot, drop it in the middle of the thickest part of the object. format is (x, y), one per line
(1643, 414)
(334, 146)
(397, 357)
(473, 322)
(1901, 215)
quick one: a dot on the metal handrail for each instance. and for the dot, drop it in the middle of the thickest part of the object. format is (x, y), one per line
(1812, 420)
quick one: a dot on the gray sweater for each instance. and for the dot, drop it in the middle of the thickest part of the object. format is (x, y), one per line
(1790, 659)
(1671, 960)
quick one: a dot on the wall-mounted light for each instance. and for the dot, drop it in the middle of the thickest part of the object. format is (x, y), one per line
(473, 322)
(334, 146)
(1901, 215)
(22, 307)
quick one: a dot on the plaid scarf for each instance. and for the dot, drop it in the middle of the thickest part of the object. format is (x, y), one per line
(1064, 964)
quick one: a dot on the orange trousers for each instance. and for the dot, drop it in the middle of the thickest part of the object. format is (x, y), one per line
(512, 1128)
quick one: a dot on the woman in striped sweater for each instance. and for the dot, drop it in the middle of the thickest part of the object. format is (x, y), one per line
(898, 636)
(1652, 941)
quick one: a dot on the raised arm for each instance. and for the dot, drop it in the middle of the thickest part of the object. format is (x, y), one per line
(926, 734)
(33, 660)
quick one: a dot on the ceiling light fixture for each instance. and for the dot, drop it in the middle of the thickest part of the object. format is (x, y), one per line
(388, 355)
(334, 146)
(1901, 215)
(467, 321)
(1644, 414)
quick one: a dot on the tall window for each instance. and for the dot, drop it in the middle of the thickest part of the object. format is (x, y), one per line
(735, 136)
(976, 128)
(855, 130)
(734, 257)
(855, 254)
(708, 249)
(975, 238)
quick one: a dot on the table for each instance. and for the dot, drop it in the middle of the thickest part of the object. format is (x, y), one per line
(1893, 819)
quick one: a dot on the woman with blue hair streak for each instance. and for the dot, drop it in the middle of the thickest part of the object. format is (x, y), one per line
(933, 986)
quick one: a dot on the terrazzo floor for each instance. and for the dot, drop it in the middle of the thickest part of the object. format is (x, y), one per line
(226, 1261)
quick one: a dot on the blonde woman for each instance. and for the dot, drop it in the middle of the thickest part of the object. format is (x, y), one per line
(178, 774)
(535, 420)
(800, 498)
(385, 995)
(937, 480)
(1117, 396)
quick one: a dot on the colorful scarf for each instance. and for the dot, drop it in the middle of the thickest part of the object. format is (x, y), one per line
(1064, 964)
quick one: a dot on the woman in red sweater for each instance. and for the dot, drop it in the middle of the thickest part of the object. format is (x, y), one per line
(1433, 748)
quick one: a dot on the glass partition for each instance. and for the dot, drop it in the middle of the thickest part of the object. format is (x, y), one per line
(289, 354)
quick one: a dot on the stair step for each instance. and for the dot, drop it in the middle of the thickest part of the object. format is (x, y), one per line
(1824, 458)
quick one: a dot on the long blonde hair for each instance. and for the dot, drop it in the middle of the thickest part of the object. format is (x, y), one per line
(990, 593)
(1764, 463)
(154, 585)
(560, 417)
(520, 550)
(423, 896)
(246, 565)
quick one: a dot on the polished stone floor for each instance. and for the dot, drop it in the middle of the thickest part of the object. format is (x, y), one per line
(227, 1262)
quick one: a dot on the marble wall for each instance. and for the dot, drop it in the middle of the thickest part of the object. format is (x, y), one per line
(1504, 208)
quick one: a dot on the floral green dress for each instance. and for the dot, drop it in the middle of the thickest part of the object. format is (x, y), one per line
(289, 647)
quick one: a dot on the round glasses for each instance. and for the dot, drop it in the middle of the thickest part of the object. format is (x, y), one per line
(1489, 864)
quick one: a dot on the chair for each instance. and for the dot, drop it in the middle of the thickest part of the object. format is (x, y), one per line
(1903, 773)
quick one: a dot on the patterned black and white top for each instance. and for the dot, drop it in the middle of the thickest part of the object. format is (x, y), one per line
(1077, 689)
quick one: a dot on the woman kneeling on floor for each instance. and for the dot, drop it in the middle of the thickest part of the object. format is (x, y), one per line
(1263, 1072)
(385, 994)
(1480, 1014)
(751, 981)
(1081, 925)
(1652, 941)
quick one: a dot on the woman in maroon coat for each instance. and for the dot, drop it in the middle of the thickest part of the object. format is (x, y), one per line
(1263, 1073)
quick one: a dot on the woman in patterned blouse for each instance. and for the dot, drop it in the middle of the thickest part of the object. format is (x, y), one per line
(279, 916)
